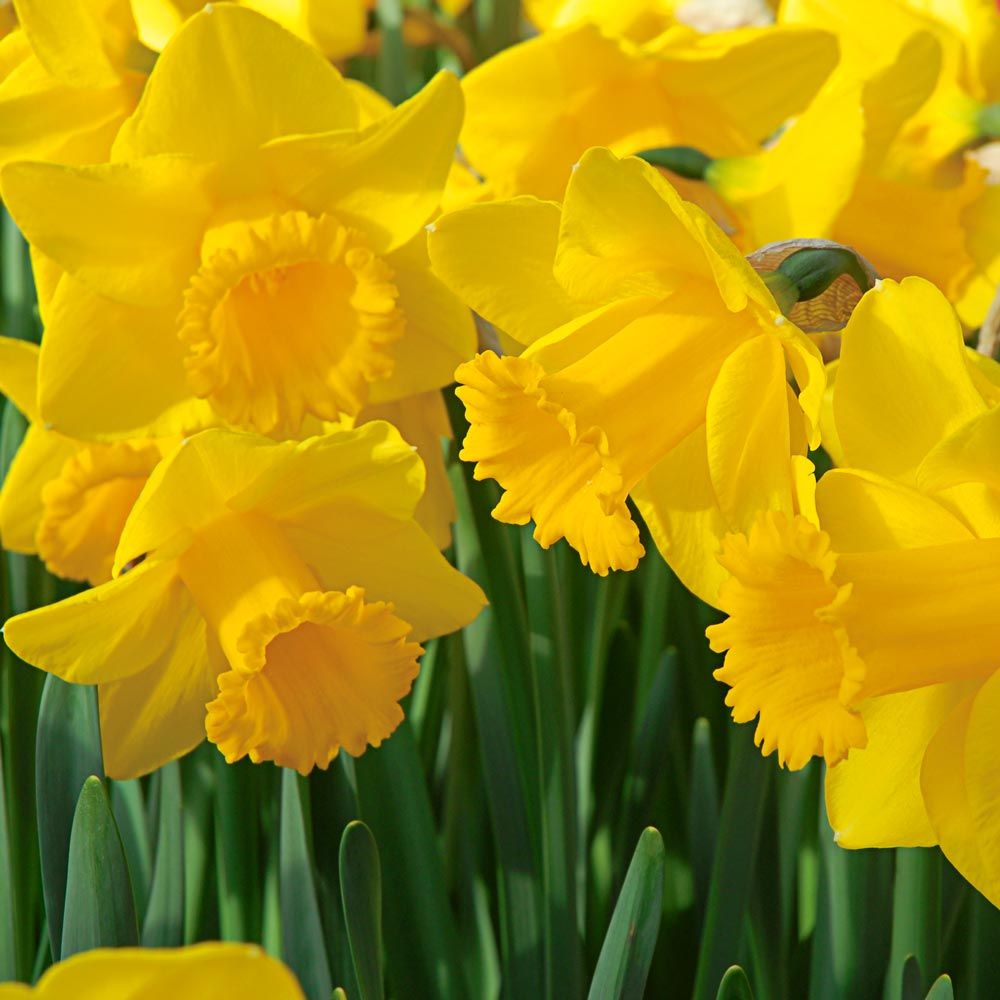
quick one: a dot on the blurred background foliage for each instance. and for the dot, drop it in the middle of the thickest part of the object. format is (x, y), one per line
(567, 810)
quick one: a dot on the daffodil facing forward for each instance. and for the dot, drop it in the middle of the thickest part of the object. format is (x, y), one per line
(248, 257)
(649, 336)
(284, 585)
(202, 970)
(868, 633)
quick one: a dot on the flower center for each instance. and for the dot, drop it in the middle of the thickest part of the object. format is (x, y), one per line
(289, 316)
(85, 508)
(788, 661)
(311, 671)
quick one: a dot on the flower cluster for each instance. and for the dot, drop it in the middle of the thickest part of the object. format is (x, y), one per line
(255, 277)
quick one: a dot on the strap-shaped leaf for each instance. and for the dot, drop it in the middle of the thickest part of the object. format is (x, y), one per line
(361, 892)
(100, 909)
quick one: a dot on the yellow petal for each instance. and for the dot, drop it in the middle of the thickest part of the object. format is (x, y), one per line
(748, 433)
(81, 43)
(788, 191)
(205, 970)
(873, 798)
(963, 830)
(864, 512)
(158, 714)
(625, 231)
(903, 383)
(107, 368)
(19, 374)
(337, 30)
(779, 597)
(422, 420)
(47, 274)
(229, 81)
(130, 231)
(135, 615)
(923, 616)
(681, 510)
(498, 258)
(393, 561)
(389, 181)
(967, 455)
(39, 460)
(439, 330)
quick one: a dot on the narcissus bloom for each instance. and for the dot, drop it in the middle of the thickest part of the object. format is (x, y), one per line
(653, 346)
(207, 971)
(247, 257)
(870, 631)
(534, 109)
(284, 585)
(63, 499)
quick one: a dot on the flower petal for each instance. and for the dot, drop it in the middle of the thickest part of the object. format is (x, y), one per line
(903, 383)
(104, 634)
(19, 374)
(498, 259)
(130, 231)
(229, 81)
(158, 714)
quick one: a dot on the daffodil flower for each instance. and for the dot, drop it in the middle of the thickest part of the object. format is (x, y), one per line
(637, 20)
(284, 585)
(247, 257)
(63, 499)
(867, 633)
(534, 109)
(201, 970)
(653, 345)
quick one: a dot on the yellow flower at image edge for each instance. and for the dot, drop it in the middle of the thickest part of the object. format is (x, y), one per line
(278, 584)
(247, 257)
(206, 971)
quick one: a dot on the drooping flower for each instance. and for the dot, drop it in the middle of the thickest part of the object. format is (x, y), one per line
(248, 256)
(284, 585)
(202, 970)
(64, 499)
(534, 109)
(868, 633)
(649, 334)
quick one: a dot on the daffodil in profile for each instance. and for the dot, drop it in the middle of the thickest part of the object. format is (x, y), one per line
(202, 970)
(535, 108)
(247, 257)
(64, 499)
(649, 337)
(867, 632)
(283, 585)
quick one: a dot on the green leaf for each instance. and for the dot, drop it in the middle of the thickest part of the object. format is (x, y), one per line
(303, 948)
(623, 964)
(129, 807)
(67, 751)
(164, 923)
(361, 891)
(703, 812)
(100, 909)
(942, 989)
(747, 780)
(237, 848)
(916, 916)
(734, 985)
(422, 954)
(911, 980)
(8, 913)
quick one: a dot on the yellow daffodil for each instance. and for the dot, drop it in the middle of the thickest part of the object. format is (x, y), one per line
(207, 971)
(63, 499)
(869, 630)
(648, 335)
(283, 585)
(337, 28)
(248, 256)
(637, 20)
(533, 110)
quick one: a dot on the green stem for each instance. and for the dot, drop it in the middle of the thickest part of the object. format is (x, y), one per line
(685, 161)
